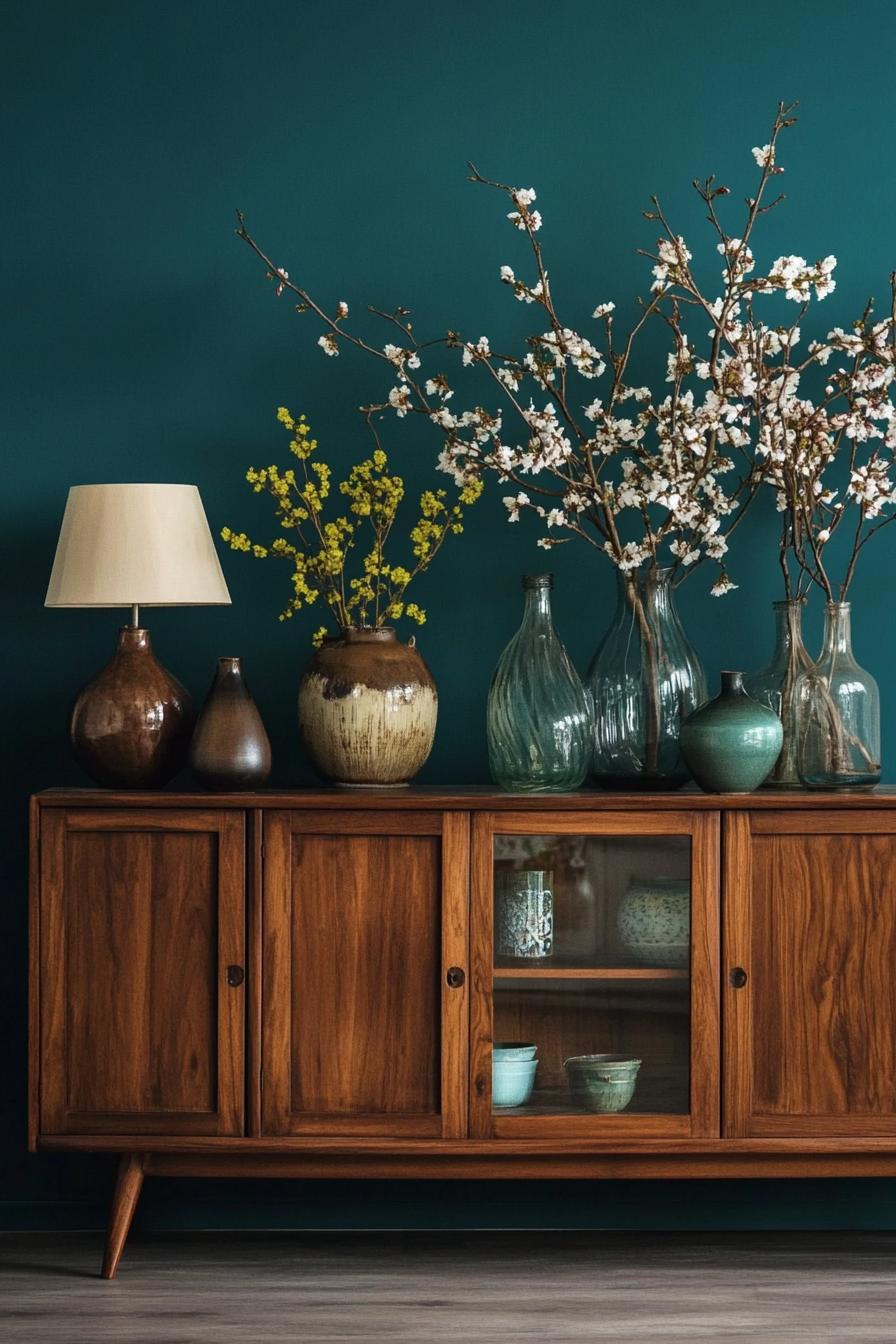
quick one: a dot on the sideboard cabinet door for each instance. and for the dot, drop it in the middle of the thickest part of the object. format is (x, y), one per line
(142, 931)
(595, 933)
(809, 985)
(364, 1008)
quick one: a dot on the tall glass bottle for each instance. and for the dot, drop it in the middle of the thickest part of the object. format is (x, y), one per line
(775, 685)
(644, 680)
(539, 720)
(838, 714)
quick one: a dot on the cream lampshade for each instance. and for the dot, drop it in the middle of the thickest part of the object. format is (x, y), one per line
(133, 546)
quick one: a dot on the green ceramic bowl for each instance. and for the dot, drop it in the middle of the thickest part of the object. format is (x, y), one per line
(602, 1083)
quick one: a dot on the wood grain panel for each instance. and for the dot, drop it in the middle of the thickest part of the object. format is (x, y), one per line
(140, 1026)
(737, 1018)
(597, 821)
(361, 1031)
(140, 1030)
(455, 999)
(481, 962)
(706, 1030)
(856, 822)
(255, 943)
(479, 799)
(543, 1164)
(578, 1146)
(817, 1046)
(364, 974)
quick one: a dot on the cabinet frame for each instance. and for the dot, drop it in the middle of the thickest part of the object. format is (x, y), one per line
(703, 1117)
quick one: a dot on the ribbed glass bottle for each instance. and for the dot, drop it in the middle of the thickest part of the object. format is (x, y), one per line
(539, 719)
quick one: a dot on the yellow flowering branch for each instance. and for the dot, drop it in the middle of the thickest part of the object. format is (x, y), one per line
(319, 551)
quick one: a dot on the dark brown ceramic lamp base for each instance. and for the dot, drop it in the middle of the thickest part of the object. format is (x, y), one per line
(131, 724)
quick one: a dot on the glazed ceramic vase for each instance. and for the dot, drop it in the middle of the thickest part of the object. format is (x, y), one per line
(775, 685)
(644, 680)
(653, 922)
(130, 727)
(367, 709)
(731, 744)
(230, 748)
(538, 717)
(838, 714)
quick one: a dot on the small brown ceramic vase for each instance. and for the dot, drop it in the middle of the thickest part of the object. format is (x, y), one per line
(230, 748)
(367, 709)
(130, 726)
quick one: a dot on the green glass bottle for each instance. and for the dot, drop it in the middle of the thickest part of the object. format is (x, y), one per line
(539, 716)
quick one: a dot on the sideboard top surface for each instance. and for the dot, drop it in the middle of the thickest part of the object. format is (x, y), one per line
(477, 799)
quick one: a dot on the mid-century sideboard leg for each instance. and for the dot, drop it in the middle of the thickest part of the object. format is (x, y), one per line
(124, 1202)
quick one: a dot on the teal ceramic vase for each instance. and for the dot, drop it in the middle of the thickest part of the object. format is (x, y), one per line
(731, 744)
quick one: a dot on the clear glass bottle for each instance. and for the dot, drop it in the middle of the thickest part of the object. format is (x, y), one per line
(838, 714)
(775, 684)
(644, 679)
(538, 720)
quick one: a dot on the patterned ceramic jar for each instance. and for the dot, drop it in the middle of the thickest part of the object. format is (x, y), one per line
(524, 914)
(654, 921)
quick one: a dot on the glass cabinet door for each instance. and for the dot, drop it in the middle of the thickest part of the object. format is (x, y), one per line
(596, 959)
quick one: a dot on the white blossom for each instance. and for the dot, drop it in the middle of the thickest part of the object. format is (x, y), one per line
(478, 351)
(400, 399)
(513, 504)
(722, 586)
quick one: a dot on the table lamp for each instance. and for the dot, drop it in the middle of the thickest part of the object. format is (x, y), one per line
(134, 546)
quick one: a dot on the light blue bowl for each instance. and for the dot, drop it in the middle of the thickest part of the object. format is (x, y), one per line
(512, 1081)
(506, 1051)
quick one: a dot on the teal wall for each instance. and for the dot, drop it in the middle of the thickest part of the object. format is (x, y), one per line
(142, 343)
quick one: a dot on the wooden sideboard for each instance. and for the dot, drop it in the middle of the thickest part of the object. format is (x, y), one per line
(305, 984)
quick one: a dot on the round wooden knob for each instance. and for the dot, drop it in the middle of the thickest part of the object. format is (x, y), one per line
(454, 977)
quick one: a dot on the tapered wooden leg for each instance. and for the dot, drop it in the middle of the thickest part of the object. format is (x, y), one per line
(124, 1202)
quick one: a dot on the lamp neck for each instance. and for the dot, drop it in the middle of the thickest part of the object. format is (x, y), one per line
(135, 616)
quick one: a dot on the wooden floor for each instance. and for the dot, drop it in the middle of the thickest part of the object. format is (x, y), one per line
(268, 1288)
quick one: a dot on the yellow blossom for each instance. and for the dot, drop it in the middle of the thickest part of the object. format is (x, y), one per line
(319, 550)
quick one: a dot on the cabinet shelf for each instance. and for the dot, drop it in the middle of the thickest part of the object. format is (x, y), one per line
(591, 973)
